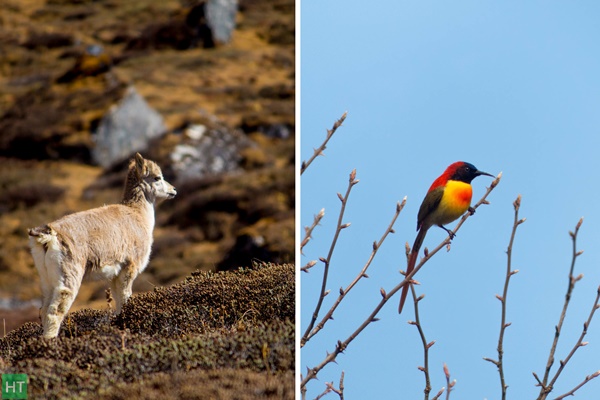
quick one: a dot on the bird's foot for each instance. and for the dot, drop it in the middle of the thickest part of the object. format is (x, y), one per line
(450, 233)
(471, 210)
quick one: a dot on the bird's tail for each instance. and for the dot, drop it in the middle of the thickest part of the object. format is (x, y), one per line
(412, 260)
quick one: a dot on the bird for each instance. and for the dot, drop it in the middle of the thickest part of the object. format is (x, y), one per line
(447, 199)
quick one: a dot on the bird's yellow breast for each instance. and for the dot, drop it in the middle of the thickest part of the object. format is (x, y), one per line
(455, 201)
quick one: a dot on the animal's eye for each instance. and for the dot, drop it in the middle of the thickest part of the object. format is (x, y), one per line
(157, 178)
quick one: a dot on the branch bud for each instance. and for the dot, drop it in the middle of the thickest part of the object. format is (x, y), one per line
(326, 292)
(446, 371)
(399, 205)
(341, 291)
(375, 246)
(340, 197)
(430, 344)
(353, 176)
(383, 293)
(496, 181)
(344, 226)
(517, 202)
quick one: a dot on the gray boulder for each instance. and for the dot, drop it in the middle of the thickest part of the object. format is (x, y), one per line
(220, 15)
(207, 151)
(126, 128)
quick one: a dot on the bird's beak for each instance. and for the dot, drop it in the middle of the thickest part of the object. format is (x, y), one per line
(484, 173)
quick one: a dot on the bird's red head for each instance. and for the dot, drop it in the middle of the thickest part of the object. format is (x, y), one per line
(458, 171)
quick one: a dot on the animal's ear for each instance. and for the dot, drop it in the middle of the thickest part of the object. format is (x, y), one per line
(140, 165)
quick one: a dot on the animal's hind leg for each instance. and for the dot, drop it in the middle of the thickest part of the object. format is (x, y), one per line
(39, 254)
(65, 280)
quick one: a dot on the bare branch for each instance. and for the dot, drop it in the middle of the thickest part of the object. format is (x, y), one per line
(545, 387)
(340, 226)
(362, 274)
(509, 273)
(578, 344)
(572, 391)
(308, 230)
(319, 151)
(426, 346)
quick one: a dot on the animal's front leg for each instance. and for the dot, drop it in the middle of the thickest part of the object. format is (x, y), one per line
(121, 286)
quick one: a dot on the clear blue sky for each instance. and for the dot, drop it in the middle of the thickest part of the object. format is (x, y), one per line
(509, 86)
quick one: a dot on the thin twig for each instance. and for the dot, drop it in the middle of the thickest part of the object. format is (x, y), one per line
(579, 343)
(572, 391)
(341, 346)
(545, 387)
(308, 265)
(450, 384)
(319, 151)
(503, 324)
(330, 388)
(439, 394)
(362, 274)
(327, 261)
(308, 230)
(426, 345)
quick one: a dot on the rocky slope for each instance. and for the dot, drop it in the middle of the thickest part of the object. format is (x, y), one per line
(226, 143)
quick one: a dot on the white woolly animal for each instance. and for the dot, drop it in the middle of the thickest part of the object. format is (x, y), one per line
(111, 242)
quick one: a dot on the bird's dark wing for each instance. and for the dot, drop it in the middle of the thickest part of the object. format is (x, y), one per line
(430, 204)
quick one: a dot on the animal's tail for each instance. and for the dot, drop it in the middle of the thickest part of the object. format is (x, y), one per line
(412, 260)
(42, 234)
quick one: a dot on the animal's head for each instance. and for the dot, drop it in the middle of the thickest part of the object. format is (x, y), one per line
(151, 180)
